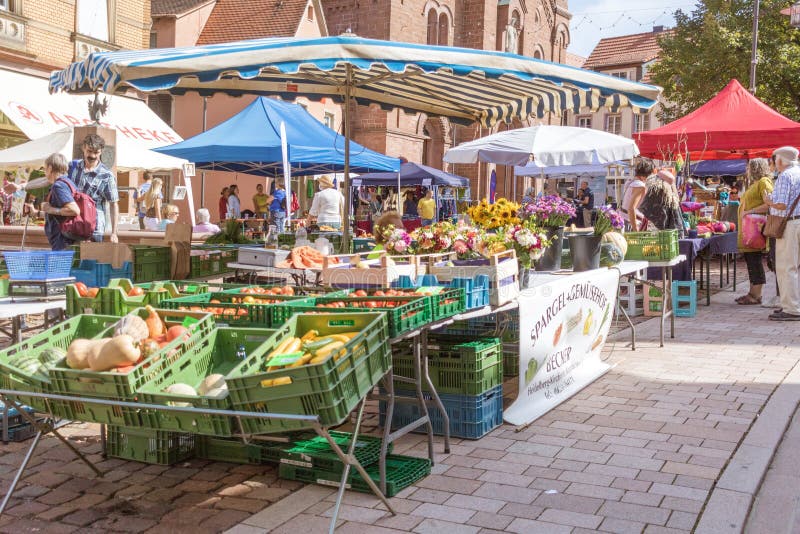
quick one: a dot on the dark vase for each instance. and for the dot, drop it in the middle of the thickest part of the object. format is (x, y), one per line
(585, 250)
(551, 259)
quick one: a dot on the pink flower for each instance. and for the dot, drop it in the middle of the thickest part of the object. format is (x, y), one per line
(460, 247)
(400, 246)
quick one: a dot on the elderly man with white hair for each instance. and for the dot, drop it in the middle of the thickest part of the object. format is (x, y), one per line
(204, 226)
(784, 202)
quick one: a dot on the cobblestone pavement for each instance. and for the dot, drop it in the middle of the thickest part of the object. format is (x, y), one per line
(643, 449)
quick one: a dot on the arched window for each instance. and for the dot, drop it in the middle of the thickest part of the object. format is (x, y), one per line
(538, 53)
(433, 23)
(444, 30)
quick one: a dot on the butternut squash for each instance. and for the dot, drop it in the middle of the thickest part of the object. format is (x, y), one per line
(80, 350)
(154, 323)
(116, 352)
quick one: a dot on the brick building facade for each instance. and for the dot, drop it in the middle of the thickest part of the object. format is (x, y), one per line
(38, 36)
(537, 29)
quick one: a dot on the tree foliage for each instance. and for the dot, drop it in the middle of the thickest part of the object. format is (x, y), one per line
(712, 44)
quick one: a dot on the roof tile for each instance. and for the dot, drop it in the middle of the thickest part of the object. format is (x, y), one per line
(625, 50)
(238, 20)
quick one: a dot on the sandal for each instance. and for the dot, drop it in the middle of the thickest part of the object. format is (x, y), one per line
(748, 300)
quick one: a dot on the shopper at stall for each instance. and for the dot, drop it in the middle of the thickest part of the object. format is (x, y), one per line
(661, 204)
(787, 247)
(261, 202)
(585, 205)
(223, 203)
(204, 224)
(277, 206)
(426, 207)
(752, 202)
(529, 196)
(410, 205)
(328, 204)
(139, 193)
(234, 205)
(634, 194)
(59, 203)
(169, 215)
(151, 202)
(92, 177)
(775, 300)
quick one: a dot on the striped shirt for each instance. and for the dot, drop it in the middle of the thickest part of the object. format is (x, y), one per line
(100, 183)
(787, 188)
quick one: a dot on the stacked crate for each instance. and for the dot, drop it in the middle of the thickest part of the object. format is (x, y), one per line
(652, 300)
(468, 376)
(631, 299)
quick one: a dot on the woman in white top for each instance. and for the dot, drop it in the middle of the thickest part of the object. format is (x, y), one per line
(327, 205)
(634, 193)
(151, 203)
(234, 206)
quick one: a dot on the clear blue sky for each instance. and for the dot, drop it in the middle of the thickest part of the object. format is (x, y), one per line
(595, 19)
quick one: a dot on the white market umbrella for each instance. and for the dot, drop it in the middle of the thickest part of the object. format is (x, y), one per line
(549, 145)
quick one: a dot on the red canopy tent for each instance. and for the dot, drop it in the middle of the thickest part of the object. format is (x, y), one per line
(732, 125)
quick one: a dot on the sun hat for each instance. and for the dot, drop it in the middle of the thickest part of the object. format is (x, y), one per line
(788, 153)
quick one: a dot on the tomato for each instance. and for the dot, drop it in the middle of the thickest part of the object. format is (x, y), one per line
(380, 293)
(136, 292)
(359, 293)
(248, 300)
(288, 290)
(81, 288)
(241, 311)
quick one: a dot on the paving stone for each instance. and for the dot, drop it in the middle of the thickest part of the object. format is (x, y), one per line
(527, 526)
(471, 502)
(683, 505)
(27, 508)
(526, 511)
(445, 513)
(521, 481)
(487, 520)
(575, 519)
(634, 512)
(437, 526)
(621, 526)
(358, 514)
(599, 492)
(401, 522)
(572, 503)
(691, 470)
(682, 521)
(453, 485)
(507, 493)
(238, 503)
(429, 495)
(638, 497)
(678, 491)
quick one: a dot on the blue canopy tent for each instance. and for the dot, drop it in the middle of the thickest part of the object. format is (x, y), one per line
(250, 143)
(721, 167)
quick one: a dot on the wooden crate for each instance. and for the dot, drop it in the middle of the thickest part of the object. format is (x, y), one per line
(502, 270)
(380, 273)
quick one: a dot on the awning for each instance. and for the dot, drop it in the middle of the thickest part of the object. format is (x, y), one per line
(130, 154)
(27, 102)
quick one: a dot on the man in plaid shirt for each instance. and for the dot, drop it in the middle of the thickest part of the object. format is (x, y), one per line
(92, 177)
(787, 248)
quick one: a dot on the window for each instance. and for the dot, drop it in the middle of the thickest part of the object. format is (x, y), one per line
(433, 27)
(92, 19)
(565, 118)
(4, 5)
(614, 123)
(584, 121)
(153, 40)
(310, 14)
(329, 120)
(641, 122)
(161, 106)
(621, 74)
(443, 29)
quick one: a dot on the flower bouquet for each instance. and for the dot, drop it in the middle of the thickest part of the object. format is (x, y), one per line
(501, 214)
(549, 211)
(398, 241)
(528, 240)
(608, 220)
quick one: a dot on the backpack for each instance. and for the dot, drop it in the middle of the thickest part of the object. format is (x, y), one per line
(81, 226)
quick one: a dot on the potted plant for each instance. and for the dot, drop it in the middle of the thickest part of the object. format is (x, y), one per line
(550, 213)
(585, 248)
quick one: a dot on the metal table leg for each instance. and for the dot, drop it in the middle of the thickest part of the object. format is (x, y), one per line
(671, 309)
(708, 279)
(734, 272)
(21, 470)
(630, 323)
(423, 340)
(350, 460)
(5, 423)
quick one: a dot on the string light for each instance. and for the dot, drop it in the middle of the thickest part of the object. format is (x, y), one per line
(625, 16)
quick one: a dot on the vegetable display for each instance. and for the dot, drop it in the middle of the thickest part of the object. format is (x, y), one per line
(309, 349)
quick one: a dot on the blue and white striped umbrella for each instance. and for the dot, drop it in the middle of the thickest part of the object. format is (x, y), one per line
(464, 84)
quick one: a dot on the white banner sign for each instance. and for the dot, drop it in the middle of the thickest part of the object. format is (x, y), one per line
(563, 325)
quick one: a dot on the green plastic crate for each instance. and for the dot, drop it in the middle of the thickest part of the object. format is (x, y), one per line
(149, 446)
(4, 283)
(510, 359)
(302, 449)
(59, 336)
(470, 368)
(413, 313)
(448, 302)
(77, 305)
(230, 310)
(330, 389)
(217, 355)
(660, 245)
(185, 288)
(315, 452)
(123, 386)
(401, 472)
(151, 262)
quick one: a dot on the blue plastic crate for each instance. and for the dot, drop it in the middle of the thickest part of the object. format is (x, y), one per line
(38, 264)
(684, 298)
(476, 289)
(95, 274)
(14, 417)
(471, 416)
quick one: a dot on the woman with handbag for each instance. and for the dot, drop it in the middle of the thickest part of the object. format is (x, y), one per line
(751, 243)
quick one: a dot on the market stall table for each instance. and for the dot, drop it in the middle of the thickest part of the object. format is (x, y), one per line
(17, 308)
(666, 267)
(301, 277)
